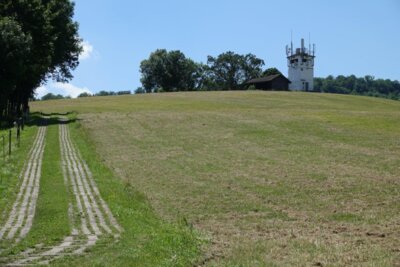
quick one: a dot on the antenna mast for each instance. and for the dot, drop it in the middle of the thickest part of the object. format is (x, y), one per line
(291, 42)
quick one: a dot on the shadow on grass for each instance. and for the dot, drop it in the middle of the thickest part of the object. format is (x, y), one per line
(40, 119)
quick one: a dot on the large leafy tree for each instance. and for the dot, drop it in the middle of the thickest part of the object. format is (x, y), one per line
(271, 71)
(169, 71)
(172, 71)
(14, 49)
(51, 48)
(230, 70)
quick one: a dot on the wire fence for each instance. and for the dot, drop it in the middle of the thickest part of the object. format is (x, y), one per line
(9, 141)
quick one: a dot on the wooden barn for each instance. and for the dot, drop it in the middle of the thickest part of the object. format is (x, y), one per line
(270, 82)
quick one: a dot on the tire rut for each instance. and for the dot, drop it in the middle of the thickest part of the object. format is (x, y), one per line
(95, 218)
(21, 216)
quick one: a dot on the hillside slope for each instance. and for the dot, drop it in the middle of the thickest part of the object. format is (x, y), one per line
(267, 177)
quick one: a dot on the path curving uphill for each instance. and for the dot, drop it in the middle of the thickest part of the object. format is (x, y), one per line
(20, 219)
(94, 218)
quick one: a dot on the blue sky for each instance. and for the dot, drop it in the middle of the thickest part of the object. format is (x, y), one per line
(352, 37)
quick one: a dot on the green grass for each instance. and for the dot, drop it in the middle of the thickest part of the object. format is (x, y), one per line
(270, 178)
(147, 240)
(51, 223)
(51, 218)
(10, 166)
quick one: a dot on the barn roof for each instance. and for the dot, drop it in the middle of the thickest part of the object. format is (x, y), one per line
(266, 79)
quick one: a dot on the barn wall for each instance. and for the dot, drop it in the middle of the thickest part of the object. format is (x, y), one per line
(280, 84)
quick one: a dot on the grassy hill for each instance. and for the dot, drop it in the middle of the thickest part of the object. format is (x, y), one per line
(276, 178)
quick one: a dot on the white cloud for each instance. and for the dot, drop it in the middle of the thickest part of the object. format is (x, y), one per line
(65, 89)
(87, 50)
(71, 90)
(41, 91)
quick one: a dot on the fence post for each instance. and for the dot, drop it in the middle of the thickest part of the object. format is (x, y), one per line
(9, 143)
(18, 136)
(4, 147)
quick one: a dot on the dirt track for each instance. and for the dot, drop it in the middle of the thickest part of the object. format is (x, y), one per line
(21, 215)
(89, 215)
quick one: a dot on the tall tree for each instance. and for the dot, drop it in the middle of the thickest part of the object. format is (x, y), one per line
(15, 47)
(271, 71)
(169, 71)
(53, 49)
(230, 70)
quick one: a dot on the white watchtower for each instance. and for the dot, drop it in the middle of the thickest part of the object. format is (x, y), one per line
(301, 67)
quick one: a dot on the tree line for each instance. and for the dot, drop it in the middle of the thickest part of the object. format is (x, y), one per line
(106, 93)
(171, 71)
(38, 41)
(368, 86)
(51, 96)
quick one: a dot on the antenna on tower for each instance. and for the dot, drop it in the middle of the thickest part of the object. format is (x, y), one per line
(309, 43)
(291, 36)
(291, 42)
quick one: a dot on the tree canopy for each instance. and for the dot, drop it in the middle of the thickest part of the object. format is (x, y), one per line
(271, 71)
(168, 71)
(366, 85)
(172, 71)
(50, 96)
(229, 70)
(38, 40)
(84, 94)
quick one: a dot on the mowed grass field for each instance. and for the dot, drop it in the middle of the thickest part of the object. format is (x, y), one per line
(147, 240)
(266, 178)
